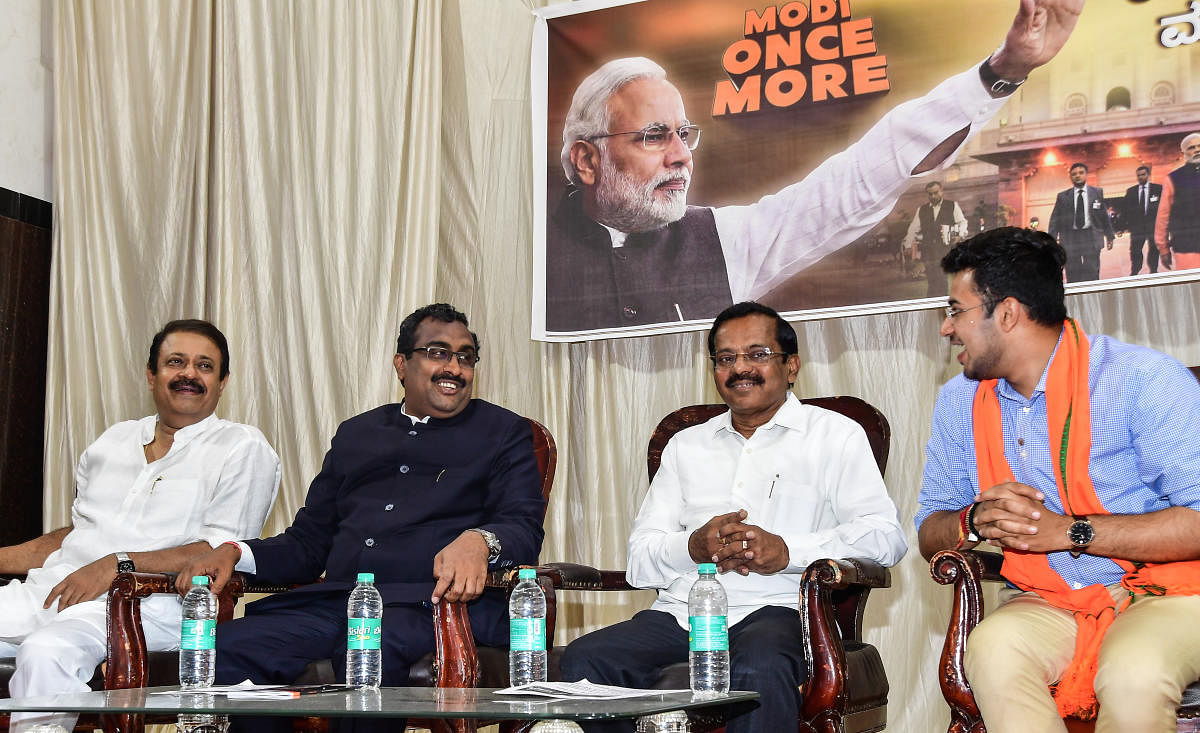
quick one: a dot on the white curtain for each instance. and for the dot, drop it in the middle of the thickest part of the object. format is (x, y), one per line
(305, 174)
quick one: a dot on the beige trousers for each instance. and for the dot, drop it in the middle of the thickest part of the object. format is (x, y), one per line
(1150, 654)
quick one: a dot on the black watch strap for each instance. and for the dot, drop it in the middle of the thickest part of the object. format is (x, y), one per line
(997, 86)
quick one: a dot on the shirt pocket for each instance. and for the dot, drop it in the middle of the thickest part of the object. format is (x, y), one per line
(793, 506)
(170, 511)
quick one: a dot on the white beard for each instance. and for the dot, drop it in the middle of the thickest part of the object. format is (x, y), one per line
(630, 206)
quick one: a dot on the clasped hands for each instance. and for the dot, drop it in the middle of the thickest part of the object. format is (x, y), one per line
(734, 545)
(1014, 515)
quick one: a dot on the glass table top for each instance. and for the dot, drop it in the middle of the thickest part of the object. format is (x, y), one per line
(399, 702)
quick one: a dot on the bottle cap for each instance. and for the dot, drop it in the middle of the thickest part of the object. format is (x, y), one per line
(708, 568)
(199, 580)
(366, 577)
(527, 573)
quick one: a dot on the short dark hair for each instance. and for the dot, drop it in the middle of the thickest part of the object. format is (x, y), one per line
(190, 325)
(784, 333)
(931, 184)
(1077, 164)
(1143, 168)
(406, 340)
(1015, 262)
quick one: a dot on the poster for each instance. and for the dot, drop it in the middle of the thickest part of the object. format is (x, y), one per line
(779, 90)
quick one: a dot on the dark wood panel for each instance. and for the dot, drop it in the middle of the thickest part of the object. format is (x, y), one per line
(24, 315)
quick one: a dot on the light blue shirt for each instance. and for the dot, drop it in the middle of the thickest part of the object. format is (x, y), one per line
(1145, 457)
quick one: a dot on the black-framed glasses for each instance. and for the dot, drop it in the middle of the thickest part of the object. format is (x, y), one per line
(953, 312)
(658, 136)
(728, 360)
(439, 353)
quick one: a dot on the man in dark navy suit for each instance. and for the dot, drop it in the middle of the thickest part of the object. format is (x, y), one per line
(427, 494)
(1140, 210)
(1081, 225)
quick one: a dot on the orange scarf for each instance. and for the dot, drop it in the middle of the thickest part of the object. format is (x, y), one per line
(1068, 409)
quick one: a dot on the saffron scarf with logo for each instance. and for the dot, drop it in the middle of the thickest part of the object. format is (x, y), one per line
(1068, 412)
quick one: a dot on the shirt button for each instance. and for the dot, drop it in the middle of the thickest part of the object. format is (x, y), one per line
(404, 469)
(1020, 441)
(389, 507)
(630, 311)
(369, 542)
(1077, 585)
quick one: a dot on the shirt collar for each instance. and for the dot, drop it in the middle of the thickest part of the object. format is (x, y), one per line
(1006, 390)
(415, 420)
(182, 435)
(790, 415)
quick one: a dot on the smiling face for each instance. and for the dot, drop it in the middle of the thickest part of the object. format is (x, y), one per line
(753, 391)
(629, 187)
(438, 389)
(973, 329)
(186, 385)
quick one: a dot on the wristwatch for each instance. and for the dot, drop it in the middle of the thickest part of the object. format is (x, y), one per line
(997, 86)
(124, 564)
(1081, 533)
(493, 543)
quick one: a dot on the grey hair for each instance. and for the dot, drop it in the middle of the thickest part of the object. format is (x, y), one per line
(588, 115)
(1183, 143)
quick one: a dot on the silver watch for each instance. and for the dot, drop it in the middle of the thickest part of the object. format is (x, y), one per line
(493, 543)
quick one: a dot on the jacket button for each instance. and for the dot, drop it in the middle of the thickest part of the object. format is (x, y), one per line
(389, 507)
(404, 469)
(630, 311)
(369, 542)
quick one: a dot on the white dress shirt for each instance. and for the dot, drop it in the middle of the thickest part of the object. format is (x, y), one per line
(216, 483)
(807, 475)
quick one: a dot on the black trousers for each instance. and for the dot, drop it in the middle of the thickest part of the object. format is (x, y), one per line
(1135, 253)
(765, 655)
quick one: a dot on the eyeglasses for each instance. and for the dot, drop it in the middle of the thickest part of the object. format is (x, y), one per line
(658, 136)
(437, 353)
(952, 312)
(728, 360)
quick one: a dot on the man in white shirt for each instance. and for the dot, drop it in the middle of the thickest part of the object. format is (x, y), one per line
(150, 494)
(936, 225)
(763, 490)
(623, 248)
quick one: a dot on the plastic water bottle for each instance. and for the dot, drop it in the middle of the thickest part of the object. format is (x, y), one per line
(526, 630)
(364, 634)
(197, 722)
(198, 636)
(708, 639)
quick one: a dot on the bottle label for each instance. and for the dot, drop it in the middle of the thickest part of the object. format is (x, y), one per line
(708, 634)
(198, 634)
(527, 634)
(364, 633)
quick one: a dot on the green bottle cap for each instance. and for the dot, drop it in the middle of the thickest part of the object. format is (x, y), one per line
(199, 580)
(527, 573)
(708, 568)
(366, 577)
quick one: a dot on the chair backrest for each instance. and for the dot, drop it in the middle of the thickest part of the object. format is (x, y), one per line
(547, 458)
(873, 423)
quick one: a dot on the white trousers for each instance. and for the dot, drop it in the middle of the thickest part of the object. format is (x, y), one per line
(57, 653)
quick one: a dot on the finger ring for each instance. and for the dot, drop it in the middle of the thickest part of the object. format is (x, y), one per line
(744, 544)
(724, 541)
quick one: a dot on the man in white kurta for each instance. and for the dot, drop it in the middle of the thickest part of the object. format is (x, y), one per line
(150, 494)
(763, 490)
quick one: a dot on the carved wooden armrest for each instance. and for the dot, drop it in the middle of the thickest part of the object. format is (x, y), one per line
(833, 597)
(127, 665)
(965, 570)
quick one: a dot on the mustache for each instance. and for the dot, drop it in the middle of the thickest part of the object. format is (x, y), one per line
(180, 382)
(743, 377)
(671, 176)
(447, 377)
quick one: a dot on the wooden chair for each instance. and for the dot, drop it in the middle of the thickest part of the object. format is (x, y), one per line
(847, 688)
(966, 571)
(129, 665)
